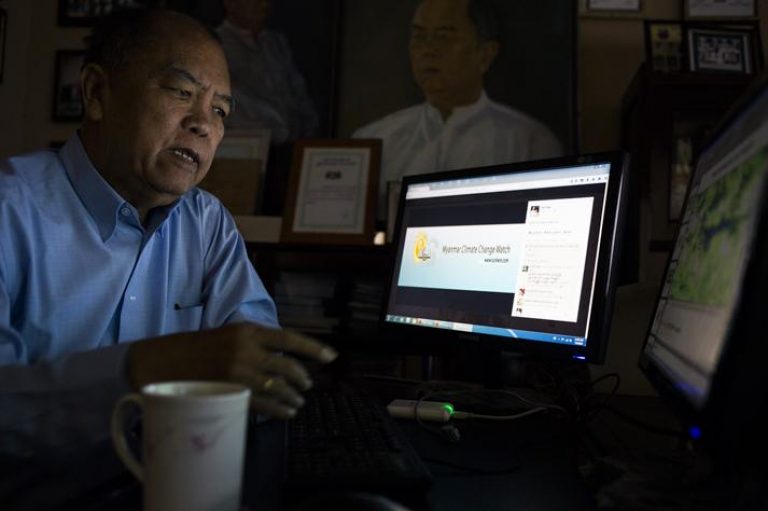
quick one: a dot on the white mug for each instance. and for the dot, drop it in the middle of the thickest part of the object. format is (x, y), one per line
(193, 444)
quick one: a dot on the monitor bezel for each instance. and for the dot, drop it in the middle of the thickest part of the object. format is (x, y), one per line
(432, 341)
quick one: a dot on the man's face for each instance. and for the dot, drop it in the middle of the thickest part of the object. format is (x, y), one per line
(163, 118)
(447, 59)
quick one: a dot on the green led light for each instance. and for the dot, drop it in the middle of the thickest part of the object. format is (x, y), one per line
(448, 408)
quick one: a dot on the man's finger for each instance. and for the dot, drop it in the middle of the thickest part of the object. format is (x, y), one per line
(286, 340)
(276, 388)
(289, 369)
(272, 407)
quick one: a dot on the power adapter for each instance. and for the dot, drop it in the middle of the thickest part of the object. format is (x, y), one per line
(428, 410)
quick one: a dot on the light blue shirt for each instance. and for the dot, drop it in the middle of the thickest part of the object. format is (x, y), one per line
(80, 278)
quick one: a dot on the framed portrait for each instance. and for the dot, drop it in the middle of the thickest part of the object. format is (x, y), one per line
(613, 5)
(3, 30)
(309, 31)
(534, 71)
(723, 49)
(332, 191)
(664, 45)
(85, 13)
(67, 98)
(719, 9)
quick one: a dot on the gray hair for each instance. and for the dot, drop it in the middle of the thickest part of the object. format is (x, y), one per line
(124, 31)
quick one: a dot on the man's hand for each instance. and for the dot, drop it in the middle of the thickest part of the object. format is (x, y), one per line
(243, 353)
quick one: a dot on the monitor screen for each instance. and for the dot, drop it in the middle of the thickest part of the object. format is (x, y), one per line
(704, 282)
(519, 255)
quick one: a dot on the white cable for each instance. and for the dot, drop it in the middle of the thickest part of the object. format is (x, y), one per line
(468, 415)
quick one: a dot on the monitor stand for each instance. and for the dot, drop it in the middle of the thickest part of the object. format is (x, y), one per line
(494, 368)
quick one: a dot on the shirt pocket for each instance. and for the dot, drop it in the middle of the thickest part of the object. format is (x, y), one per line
(186, 316)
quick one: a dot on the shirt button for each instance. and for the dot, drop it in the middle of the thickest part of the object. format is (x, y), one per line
(132, 298)
(125, 211)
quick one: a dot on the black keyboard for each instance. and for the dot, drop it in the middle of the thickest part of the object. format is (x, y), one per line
(344, 440)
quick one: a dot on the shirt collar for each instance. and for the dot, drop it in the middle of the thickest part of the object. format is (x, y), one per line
(99, 198)
(459, 113)
(103, 203)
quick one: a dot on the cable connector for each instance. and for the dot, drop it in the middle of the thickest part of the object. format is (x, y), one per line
(427, 410)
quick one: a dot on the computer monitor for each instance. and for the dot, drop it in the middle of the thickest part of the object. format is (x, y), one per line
(705, 350)
(519, 257)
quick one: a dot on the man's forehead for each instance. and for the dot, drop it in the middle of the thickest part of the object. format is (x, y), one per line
(197, 54)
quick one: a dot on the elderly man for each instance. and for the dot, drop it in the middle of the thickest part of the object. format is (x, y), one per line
(114, 268)
(452, 45)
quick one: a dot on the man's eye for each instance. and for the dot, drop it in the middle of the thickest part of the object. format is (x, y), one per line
(182, 93)
(220, 112)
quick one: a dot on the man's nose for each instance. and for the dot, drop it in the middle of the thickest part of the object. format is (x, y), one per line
(427, 46)
(199, 119)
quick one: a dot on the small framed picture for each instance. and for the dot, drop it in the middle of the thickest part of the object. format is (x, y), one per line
(85, 13)
(664, 45)
(613, 5)
(332, 192)
(237, 172)
(722, 49)
(67, 98)
(720, 9)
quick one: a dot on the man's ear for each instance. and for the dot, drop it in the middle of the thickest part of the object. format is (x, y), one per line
(94, 82)
(488, 52)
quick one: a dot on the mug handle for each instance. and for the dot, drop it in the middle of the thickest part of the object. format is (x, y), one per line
(118, 434)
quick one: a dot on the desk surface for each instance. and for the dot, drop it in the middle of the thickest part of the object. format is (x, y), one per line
(525, 464)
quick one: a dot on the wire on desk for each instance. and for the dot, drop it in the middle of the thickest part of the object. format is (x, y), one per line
(469, 415)
(588, 410)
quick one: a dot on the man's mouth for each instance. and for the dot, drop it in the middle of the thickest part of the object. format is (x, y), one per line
(186, 155)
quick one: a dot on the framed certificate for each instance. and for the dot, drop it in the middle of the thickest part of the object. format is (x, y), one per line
(613, 5)
(332, 191)
(720, 9)
(723, 49)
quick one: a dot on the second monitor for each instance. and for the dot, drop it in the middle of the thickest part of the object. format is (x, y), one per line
(519, 256)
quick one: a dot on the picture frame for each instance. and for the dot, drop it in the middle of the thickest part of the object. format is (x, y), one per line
(85, 13)
(312, 39)
(719, 9)
(614, 5)
(236, 176)
(3, 31)
(722, 48)
(664, 45)
(331, 196)
(67, 98)
(375, 61)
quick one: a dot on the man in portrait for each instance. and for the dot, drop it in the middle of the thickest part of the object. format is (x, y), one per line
(453, 43)
(270, 91)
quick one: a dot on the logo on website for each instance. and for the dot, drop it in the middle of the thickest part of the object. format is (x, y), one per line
(422, 250)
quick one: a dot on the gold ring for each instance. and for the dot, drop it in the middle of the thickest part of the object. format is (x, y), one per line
(267, 384)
